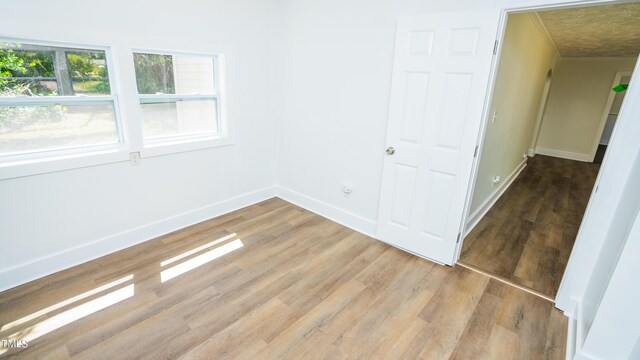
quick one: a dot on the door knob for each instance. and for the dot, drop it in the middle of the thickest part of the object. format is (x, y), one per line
(390, 150)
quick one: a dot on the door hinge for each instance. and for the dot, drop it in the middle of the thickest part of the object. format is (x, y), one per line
(475, 152)
(459, 235)
(495, 47)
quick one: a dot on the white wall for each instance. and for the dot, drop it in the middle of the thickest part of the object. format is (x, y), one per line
(55, 220)
(524, 63)
(579, 92)
(611, 318)
(336, 73)
(615, 239)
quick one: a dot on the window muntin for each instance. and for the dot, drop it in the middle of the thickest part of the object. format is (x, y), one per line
(54, 98)
(179, 95)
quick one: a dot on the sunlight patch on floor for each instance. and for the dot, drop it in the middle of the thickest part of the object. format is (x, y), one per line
(57, 321)
(199, 248)
(200, 260)
(64, 303)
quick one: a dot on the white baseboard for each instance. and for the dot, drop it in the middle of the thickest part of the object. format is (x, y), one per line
(486, 205)
(531, 152)
(350, 220)
(50, 264)
(46, 265)
(577, 334)
(572, 325)
(564, 154)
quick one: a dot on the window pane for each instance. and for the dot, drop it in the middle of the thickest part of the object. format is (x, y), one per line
(36, 62)
(163, 119)
(46, 127)
(174, 74)
(37, 70)
(88, 71)
(154, 73)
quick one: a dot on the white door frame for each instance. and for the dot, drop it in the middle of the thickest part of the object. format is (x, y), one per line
(605, 113)
(613, 172)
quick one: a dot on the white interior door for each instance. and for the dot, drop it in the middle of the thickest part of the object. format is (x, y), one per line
(440, 77)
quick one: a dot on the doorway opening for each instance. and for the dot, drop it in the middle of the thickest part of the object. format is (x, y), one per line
(611, 112)
(536, 169)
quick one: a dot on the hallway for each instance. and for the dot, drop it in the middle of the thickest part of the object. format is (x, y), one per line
(527, 237)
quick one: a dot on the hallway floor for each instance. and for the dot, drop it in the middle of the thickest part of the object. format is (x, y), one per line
(527, 237)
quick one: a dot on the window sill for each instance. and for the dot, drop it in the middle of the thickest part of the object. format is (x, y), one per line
(43, 165)
(183, 145)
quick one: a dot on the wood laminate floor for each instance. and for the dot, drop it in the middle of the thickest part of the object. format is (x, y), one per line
(273, 281)
(528, 235)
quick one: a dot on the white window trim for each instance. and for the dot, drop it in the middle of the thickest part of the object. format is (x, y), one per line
(51, 160)
(120, 64)
(61, 162)
(190, 142)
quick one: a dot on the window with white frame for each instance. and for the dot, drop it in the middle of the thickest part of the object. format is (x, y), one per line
(179, 96)
(55, 99)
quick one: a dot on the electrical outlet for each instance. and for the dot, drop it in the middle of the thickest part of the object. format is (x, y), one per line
(496, 181)
(347, 189)
(135, 158)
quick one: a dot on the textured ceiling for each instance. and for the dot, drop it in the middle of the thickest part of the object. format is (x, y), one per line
(596, 31)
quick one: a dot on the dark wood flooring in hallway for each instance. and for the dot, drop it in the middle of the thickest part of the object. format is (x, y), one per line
(527, 237)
